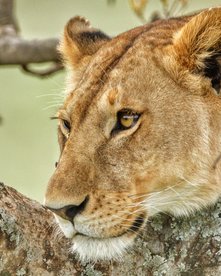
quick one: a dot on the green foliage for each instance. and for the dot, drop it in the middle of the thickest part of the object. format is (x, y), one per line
(169, 8)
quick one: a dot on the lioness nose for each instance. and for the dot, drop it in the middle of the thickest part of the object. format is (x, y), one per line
(70, 211)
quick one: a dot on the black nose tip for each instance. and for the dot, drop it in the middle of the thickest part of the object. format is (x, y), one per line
(70, 211)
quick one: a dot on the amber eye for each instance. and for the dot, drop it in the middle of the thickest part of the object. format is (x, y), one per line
(126, 119)
(65, 127)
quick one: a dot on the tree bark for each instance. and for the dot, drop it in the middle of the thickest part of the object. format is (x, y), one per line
(7, 13)
(15, 50)
(31, 245)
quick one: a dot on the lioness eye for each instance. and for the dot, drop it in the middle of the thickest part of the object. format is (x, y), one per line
(125, 119)
(66, 127)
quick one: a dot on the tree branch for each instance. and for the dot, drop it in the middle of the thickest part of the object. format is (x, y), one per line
(31, 245)
(55, 67)
(6, 13)
(15, 50)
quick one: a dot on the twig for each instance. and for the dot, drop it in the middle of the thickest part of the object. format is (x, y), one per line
(43, 73)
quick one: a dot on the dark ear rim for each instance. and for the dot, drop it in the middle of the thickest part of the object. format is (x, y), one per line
(197, 46)
(87, 39)
(213, 71)
(80, 41)
(79, 25)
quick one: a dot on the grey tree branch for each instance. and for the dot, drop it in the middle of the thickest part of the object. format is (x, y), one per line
(31, 245)
(43, 73)
(7, 13)
(15, 50)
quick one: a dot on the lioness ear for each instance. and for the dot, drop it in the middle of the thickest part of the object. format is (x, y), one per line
(80, 41)
(198, 45)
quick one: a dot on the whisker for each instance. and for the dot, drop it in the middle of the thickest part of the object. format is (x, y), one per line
(160, 211)
(134, 212)
(140, 195)
(55, 102)
(135, 204)
(124, 219)
(189, 182)
(162, 203)
(129, 225)
(51, 106)
(49, 95)
(126, 227)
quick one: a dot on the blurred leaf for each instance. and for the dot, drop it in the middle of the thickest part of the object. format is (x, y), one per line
(173, 8)
(170, 8)
(111, 2)
(138, 6)
(164, 2)
(184, 2)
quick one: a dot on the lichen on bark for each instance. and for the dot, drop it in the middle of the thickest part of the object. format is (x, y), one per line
(169, 246)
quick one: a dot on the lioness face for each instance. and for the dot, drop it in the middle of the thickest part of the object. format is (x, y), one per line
(139, 130)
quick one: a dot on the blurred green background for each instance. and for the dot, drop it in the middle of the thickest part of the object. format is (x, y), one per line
(28, 140)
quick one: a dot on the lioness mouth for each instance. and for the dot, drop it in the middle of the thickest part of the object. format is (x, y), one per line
(92, 248)
(89, 247)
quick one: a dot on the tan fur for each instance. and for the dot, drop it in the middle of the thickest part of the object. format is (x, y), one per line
(167, 160)
(199, 39)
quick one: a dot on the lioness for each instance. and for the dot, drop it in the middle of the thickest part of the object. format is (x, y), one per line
(139, 130)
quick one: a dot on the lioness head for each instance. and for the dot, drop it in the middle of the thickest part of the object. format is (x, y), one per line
(139, 130)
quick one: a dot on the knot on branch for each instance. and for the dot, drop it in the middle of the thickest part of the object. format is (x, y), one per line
(7, 30)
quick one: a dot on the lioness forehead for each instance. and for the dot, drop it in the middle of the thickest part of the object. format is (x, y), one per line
(122, 64)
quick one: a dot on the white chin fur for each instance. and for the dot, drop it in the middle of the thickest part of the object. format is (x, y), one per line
(94, 249)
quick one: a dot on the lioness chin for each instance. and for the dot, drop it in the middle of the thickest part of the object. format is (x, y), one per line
(139, 130)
